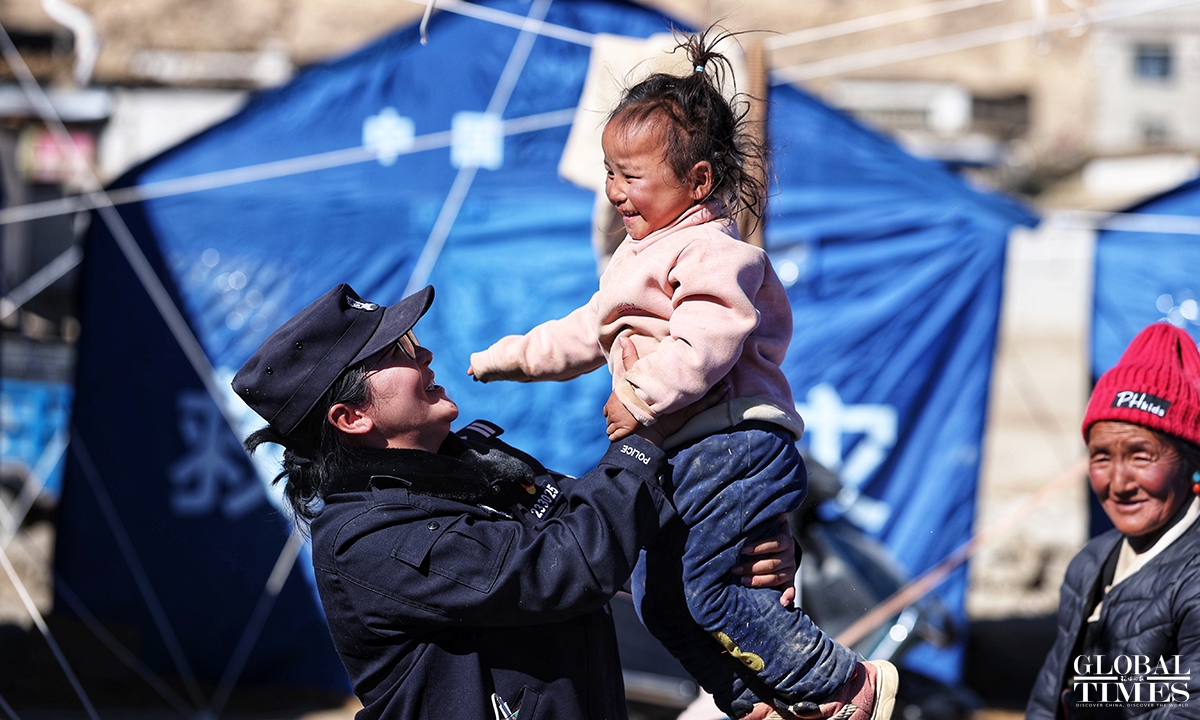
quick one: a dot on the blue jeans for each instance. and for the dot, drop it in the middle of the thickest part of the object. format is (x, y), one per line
(729, 489)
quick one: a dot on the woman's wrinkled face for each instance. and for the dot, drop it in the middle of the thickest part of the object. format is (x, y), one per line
(1139, 477)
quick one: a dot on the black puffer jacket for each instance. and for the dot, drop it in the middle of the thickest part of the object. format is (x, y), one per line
(448, 577)
(1154, 613)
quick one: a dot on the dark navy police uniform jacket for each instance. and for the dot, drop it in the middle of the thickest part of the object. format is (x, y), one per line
(449, 577)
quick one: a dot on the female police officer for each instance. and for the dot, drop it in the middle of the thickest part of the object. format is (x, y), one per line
(460, 578)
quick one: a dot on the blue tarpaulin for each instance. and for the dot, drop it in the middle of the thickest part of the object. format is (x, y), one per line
(1143, 278)
(33, 423)
(893, 266)
(895, 270)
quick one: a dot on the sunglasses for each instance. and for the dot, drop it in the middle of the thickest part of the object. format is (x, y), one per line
(408, 345)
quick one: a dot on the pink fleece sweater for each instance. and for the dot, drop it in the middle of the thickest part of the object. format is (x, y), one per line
(701, 307)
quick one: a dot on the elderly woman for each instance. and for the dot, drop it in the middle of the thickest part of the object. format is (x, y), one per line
(1128, 640)
(460, 578)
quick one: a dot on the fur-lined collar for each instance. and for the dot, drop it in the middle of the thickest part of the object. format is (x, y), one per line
(462, 471)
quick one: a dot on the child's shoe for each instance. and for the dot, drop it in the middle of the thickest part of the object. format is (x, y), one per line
(869, 695)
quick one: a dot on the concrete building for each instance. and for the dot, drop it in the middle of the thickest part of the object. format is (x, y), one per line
(1150, 95)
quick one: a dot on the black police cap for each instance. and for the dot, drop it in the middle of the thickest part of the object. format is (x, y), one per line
(286, 377)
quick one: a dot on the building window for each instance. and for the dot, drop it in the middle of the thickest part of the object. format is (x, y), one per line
(1152, 62)
(1155, 134)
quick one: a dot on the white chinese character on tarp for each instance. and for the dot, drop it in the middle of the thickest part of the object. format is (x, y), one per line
(476, 140)
(389, 134)
(826, 420)
(212, 474)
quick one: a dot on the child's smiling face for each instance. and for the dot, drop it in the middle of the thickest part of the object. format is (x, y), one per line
(640, 183)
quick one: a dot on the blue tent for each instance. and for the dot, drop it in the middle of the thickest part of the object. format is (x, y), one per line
(895, 268)
(1143, 278)
(893, 265)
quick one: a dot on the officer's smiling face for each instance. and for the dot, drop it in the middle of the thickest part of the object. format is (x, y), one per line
(406, 408)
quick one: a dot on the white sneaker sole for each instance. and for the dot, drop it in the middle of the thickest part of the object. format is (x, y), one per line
(887, 682)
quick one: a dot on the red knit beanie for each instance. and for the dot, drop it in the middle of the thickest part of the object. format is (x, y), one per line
(1155, 384)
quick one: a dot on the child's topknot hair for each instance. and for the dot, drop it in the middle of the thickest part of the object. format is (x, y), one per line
(700, 123)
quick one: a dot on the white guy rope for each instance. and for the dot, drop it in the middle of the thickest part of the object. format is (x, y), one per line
(871, 22)
(140, 578)
(218, 179)
(1124, 222)
(424, 29)
(964, 41)
(133, 253)
(1041, 10)
(512, 20)
(116, 648)
(34, 483)
(45, 110)
(6, 518)
(1067, 219)
(441, 229)
(12, 714)
(40, 280)
(466, 174)
(40, 622)
(258, 619)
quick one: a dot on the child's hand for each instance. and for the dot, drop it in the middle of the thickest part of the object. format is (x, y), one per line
(771, 563)
(621, 423)
(482, 368)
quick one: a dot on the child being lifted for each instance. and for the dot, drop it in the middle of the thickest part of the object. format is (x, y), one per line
(701, 313)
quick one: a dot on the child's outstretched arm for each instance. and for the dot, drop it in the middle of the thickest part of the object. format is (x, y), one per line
(555, 350)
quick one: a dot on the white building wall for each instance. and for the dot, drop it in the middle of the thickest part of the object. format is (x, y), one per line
(1040, 387)
(1126, 104)
(147, 121)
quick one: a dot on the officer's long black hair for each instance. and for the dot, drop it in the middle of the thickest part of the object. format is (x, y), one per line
(700, 123)
(315, 452)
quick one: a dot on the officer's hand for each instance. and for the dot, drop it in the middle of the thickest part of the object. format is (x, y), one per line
(771, 563)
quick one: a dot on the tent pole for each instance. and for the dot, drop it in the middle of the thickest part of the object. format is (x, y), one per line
(756, 124)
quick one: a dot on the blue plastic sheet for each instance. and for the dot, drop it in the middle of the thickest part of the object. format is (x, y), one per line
(1145, 277)
(895, 269)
